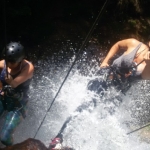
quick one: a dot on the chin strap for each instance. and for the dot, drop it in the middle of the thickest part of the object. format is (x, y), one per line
(6, 68)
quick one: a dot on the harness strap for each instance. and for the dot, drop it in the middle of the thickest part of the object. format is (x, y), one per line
(120, 82)
(12, 100)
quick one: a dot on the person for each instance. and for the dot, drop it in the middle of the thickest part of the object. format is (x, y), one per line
(35, 144)
(15, 75)
(132, 64)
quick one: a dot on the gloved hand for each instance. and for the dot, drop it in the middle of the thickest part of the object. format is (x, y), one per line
(9, 91)
(12, 98)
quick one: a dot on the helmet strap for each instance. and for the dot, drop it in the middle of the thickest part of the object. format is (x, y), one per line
(6, 68)
(20, 65)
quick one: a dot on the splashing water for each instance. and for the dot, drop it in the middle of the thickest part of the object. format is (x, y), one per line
(96, 122)
(95, 126)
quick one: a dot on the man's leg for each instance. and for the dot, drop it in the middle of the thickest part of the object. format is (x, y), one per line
(97, 85)
(1, 108)
(13, 119)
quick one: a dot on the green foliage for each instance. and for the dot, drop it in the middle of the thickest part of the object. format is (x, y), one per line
(126, 3)
(35, 20)
(132, 22)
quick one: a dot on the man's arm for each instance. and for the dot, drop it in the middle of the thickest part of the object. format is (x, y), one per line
(25, 74)
(123, 44)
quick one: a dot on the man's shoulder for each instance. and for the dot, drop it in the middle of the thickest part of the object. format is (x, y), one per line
(129, 40)
(132, 42)
(28, 62)
(2, 63)
(28, 65)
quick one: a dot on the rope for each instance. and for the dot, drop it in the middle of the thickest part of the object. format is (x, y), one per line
(138, 129)
(84, 43)
(5, 32)
(4, 15)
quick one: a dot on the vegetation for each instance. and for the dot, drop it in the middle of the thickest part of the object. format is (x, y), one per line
(34, 22)
(41, 23)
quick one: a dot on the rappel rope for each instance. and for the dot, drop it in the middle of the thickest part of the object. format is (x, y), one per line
(5, 32)
(83, 44)
(138, 129)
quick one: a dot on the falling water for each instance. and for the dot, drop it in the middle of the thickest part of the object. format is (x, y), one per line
(96, 122)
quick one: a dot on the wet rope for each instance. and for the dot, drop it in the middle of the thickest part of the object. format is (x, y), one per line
(138, 129)
(83, 44)
(5, 31)
(4, 17)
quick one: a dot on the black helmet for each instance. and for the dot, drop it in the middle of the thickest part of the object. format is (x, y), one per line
(14, 52)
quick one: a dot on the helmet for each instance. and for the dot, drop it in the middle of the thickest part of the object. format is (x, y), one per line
(14, 52)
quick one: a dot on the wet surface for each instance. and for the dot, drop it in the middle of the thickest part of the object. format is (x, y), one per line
(105, 122)
(108, 119)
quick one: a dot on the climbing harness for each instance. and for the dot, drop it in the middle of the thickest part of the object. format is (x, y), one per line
(112, 76)
(138, 129)
(121, 82)
(13, 97)
(107, 77)
(120, 78)
(11, 100)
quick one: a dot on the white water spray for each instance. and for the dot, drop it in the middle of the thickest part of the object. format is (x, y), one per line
(96, 123)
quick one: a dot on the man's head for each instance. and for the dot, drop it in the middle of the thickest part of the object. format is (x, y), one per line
(14, 52)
